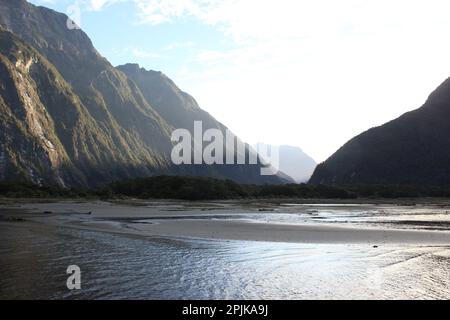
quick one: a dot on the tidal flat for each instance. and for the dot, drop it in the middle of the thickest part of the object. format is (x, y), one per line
(226, 249)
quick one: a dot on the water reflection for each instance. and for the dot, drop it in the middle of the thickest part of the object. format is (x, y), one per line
(34, 261)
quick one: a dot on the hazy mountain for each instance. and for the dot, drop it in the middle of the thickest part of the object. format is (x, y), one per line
(293, 162)
(413, 149)
(69, 117)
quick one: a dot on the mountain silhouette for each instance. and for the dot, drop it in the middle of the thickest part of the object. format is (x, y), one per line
(413, 149)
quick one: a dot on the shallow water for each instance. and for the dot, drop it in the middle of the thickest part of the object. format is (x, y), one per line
(427, 217)
(384, 216)
(34, 261)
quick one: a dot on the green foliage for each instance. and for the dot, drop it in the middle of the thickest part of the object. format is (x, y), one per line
(298, 191)
(398, 191)
(175, 187)
(199, 188)
(29, 190)
(202, 188)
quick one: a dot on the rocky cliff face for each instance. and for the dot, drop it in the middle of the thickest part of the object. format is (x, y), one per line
(413, 149)
(29, 144)
(69, 117)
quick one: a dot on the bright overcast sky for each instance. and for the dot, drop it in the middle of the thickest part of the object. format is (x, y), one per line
(311, 73)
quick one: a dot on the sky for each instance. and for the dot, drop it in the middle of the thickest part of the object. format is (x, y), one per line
(306, 73)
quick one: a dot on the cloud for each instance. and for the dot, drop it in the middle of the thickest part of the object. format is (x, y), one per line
(44, 2)
(179, 45)
(133, 52)
(316, 73)
(138, 53)
(308, 73)
(97, 5)
(159, 11)
(263, 19)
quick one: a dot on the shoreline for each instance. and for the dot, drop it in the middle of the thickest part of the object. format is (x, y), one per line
(407, 201)
(211, 220)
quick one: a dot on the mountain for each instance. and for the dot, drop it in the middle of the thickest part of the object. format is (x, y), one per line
(411, 150)
(68, 117)
(292, 161)
(178, 108)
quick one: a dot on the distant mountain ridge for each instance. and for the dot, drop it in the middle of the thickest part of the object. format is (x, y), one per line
(293, 161)
(68, 117)
(413, 149)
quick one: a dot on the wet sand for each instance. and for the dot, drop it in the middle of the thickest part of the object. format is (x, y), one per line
(206, 221)
(241, 230)
(163, 250)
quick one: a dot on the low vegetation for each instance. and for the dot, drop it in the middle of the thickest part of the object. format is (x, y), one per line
(198, 188)
(202, 188)
(29, 190)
